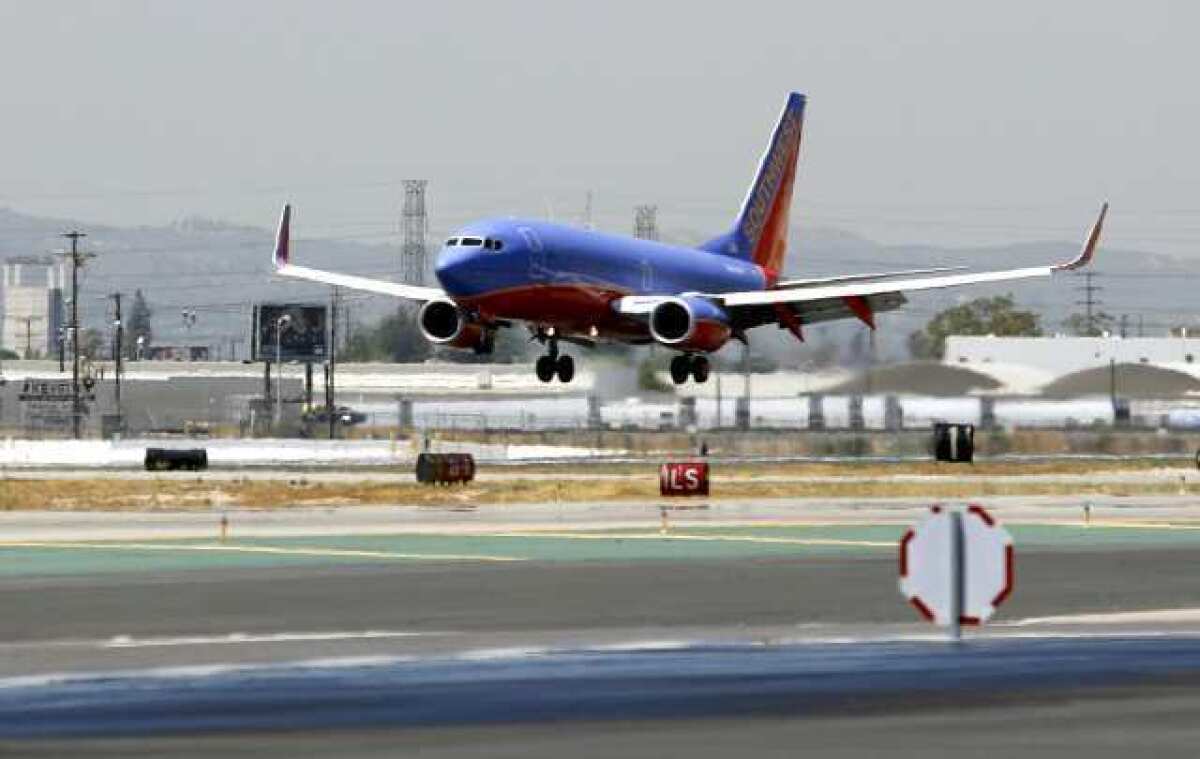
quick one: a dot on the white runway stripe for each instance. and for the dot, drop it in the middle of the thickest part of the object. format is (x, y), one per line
(1153, 616)
(128, 641)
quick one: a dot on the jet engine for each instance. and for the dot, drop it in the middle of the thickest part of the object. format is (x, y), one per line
(690, 324)
(444, 323)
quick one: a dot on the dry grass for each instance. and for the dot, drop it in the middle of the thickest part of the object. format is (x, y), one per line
(885, 469)
(175, 494)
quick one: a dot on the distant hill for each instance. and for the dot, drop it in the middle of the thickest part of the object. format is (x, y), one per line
(220, 269)
(215, 268)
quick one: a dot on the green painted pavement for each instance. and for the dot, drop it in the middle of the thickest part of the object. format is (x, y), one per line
(687, 543)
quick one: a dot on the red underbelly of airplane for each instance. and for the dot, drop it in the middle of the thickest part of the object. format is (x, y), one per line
(570, 309)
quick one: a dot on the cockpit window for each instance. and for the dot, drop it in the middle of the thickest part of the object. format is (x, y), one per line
(472, 241)
(452, 242)
(497, 245)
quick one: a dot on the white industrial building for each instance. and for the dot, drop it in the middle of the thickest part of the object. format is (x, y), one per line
(1057, 356)
(33, 306)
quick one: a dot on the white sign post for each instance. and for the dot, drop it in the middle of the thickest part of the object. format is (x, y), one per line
(956, 566)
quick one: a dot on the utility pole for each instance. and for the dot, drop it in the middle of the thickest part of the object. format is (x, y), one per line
(77, 260)
(329, 391)
(29, 335)
(189, 321)
(118, 349)
(587, 212)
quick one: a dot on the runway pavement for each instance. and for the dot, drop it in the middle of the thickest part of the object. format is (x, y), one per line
(344, 608)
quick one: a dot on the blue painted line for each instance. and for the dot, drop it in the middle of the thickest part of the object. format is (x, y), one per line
(699, 681)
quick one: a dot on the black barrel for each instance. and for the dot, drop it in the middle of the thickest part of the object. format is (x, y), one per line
(445, 468)
(162, 459)
(954, 442)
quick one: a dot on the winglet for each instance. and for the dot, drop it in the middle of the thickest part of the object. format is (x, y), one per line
(282, 237)
(1089, 245)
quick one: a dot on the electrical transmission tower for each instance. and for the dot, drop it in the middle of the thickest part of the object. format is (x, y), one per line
(414, 225)
(1090, 302)
(645, 222)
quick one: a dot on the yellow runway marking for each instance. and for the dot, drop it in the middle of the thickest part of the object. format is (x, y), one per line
(1109, 524)
(315, 552)
(698, 538)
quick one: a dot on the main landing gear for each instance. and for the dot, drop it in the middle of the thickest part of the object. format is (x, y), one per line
(695, 366)
(553, 364)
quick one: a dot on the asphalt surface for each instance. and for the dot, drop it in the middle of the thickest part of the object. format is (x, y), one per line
(535, 596)
(1126, 721)
(595, 646)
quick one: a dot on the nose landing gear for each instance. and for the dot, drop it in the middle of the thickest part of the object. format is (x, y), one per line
(553, 364)
(695, 366)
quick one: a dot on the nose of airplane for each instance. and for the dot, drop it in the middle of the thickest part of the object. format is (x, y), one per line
(454, 269)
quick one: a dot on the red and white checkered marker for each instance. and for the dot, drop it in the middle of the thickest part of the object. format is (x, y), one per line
(983, 555)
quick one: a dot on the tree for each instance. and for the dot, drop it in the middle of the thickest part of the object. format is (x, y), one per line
(512, 346)
(91, 344)
(983, 316)
(1078, 324)
(395, 338)
(137, 324)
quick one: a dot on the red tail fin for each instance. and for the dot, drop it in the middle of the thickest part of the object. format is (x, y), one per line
(760, 232)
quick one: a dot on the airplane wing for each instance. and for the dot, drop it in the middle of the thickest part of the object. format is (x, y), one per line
(382, 286)
(789, 283)
(818, 301)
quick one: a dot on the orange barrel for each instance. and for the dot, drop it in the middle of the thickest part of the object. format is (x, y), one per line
(683, 478)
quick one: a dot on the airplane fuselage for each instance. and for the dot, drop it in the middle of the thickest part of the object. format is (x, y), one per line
(565, 277)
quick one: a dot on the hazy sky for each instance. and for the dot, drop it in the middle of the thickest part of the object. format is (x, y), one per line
(950, 121)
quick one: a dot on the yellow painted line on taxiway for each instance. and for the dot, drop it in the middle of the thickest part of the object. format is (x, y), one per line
(273, 550)
(697, 538)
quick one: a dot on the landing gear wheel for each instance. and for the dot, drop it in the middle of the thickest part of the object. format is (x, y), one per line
(545, 368)
(700, 369)
(566, 368)
(680, 369)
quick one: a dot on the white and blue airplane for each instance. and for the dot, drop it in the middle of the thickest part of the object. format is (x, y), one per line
(579, 286)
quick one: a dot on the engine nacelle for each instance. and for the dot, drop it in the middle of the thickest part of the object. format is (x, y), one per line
(444, 323)
(692, 324)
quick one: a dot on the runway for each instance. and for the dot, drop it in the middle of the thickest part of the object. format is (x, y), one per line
(503, 630)
(667, 681)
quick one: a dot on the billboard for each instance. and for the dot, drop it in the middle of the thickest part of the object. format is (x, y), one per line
(301, 331)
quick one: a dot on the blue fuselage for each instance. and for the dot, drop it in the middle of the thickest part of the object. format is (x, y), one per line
(566, 277)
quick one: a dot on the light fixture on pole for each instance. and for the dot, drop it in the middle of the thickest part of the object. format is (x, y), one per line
(280, 323)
